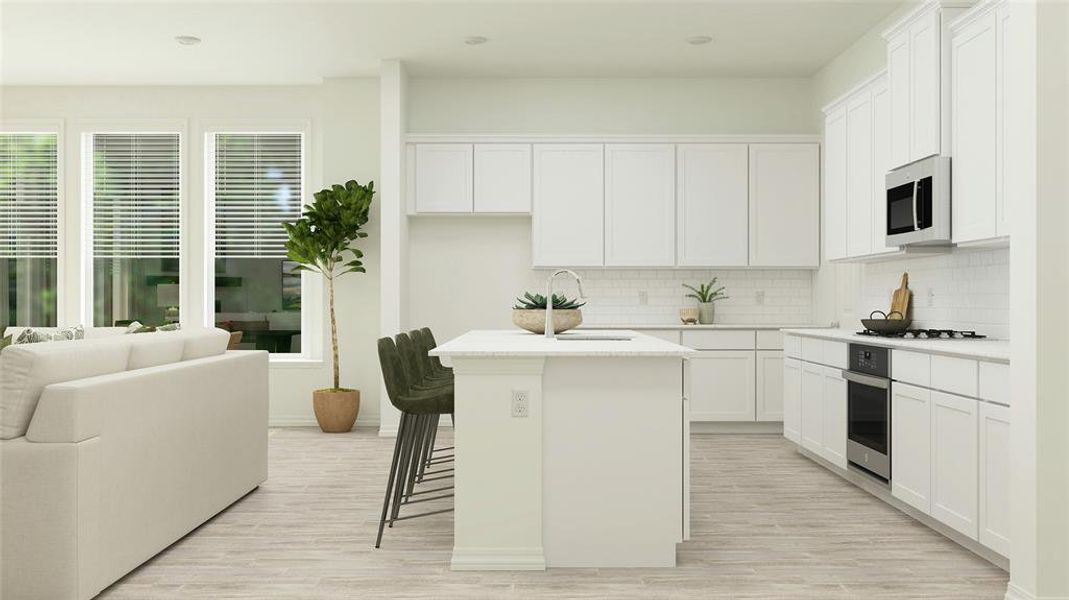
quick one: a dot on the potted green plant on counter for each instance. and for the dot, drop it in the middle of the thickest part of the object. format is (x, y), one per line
(321, 242)
(530, 313)
(706, 294)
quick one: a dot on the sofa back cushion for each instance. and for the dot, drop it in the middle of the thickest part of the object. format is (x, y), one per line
(26, 369)
(154, 349)
(201, 343)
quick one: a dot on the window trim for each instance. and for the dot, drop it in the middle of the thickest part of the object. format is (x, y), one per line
(312, 286)
(53, 126)
(85, 130)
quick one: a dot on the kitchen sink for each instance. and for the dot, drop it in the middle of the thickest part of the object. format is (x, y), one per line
(594, 337)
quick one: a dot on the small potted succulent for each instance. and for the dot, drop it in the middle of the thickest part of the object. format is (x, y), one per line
(530, 313)
(706, 294)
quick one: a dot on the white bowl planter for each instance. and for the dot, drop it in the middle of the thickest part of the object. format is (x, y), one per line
(534, 320)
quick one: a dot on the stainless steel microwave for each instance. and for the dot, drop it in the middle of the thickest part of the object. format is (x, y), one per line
(918, 203)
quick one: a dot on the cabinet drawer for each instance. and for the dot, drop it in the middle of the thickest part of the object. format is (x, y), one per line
(668, 335)
(813, 350)
(995, 382)
(719, 340)
(835, 354)
(792, 346)
(957, 375)
(769, 340)
(911, 367)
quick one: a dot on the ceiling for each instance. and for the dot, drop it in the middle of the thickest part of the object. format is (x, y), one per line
(301, 41)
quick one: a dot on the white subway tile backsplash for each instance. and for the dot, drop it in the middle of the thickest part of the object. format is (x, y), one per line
(965, 289)
(613, 296)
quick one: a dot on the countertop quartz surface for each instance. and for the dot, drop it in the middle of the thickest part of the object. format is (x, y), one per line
(980, 349)
(516, 343)
(682, 327)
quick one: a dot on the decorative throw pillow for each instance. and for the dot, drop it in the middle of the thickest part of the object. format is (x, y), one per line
(33, 336)
(134, 327)
(170, 327)
(5, 342)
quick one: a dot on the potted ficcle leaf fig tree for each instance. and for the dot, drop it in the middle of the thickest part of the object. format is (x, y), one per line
(321, 241)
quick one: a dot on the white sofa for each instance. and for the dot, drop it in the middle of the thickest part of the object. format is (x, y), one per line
(114, 447)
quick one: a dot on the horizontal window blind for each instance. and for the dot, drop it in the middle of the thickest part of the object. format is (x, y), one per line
(136, 195)
(28, 195)
(258, 186)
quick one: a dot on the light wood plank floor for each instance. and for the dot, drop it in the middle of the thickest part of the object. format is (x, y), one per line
(767, 523)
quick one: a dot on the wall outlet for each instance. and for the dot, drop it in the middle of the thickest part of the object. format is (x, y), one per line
(931, 297)
(521, 403)
(643, 297)
(759, 297)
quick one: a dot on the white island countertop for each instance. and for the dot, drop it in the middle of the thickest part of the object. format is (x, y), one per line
(981, 349)
(697, 327)
(522, 344)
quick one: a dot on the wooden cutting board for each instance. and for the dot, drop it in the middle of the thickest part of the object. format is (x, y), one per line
(900, 299)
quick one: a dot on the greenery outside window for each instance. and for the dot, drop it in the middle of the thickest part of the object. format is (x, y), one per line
(29, 205)
(135, 214)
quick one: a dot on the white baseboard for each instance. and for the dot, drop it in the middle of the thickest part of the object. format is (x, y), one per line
(310, 421)
(1014, 592)
(736, 427)
(498, 559)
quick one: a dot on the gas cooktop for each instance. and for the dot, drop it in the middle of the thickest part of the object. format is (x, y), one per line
(926, 334)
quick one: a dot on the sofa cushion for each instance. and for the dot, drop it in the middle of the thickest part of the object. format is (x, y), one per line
(34, 335)
(201, 343)
(91, 333)
(27, 368)
(155, 349)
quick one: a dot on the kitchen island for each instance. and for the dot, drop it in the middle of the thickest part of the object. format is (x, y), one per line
(570, 452)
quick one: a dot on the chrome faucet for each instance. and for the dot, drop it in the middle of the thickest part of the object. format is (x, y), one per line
(549, 298)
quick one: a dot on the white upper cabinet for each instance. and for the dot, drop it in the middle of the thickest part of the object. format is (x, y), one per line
(859, 173)
(640, 203)
(712, 205)
(785, 205)
(918, 76)
(899, 84)
(503, 178)
(925, 85)
(881, 162)
(443, 178)
(568, 210)
(976, 134)
(835, 152)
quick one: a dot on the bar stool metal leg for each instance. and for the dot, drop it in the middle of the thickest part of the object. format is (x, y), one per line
(393, 473)
(402, 466)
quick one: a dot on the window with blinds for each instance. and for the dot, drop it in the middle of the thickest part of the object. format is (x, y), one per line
(29, 228)
(136, 191)
(29, 200)
(135, 212)
(256, 182)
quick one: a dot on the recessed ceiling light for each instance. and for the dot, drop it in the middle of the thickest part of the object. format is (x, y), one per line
(699, 40)
(475, 40)
(187, 40)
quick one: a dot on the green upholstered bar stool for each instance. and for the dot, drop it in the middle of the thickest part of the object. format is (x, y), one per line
(421, 404)
(424, 342)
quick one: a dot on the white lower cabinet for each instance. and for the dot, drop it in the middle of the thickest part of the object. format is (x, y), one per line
(812, 420)
(722, 385)
(911, 445)
(792, 399)
(954, 462)
(769, 385)
(995, 477)
(833, 417)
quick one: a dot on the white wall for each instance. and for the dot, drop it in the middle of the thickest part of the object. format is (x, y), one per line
(845, 293)
(466, 271)
(344, 145)
(622, 106)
